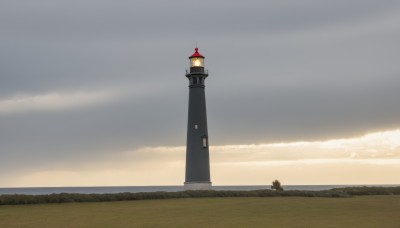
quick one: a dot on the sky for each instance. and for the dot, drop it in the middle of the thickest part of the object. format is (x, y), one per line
(94, 93)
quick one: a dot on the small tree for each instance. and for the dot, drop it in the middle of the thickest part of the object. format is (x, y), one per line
(276, 185)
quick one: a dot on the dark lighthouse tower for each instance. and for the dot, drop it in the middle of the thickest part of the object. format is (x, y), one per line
(197, 155)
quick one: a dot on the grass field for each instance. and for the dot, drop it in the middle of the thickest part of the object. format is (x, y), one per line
(363, 211)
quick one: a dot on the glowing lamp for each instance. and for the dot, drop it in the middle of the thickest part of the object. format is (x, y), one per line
(196, 62)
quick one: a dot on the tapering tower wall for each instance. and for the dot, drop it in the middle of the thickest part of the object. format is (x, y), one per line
(197, 176)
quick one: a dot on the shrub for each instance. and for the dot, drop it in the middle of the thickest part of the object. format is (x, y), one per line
(276, 185)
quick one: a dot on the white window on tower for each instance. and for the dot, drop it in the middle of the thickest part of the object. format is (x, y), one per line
(204, 142)
(196, 126)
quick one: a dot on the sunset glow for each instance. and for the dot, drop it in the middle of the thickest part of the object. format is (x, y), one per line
(370, 159)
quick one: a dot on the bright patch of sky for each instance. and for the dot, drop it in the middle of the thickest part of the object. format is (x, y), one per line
(340, 161)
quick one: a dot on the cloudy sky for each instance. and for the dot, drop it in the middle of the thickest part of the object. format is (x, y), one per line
(93, 92)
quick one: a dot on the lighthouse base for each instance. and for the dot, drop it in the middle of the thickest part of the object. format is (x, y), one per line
(197, 186)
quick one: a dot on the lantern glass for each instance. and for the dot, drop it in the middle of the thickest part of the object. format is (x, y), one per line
(196, 62)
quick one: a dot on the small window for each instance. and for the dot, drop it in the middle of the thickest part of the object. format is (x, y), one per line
(195, 81)
(204, 142)
(196, 126)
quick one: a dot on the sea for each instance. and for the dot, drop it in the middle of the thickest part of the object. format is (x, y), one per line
(120, 189)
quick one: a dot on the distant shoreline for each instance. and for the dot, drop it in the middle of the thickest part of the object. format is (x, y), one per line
(173, 188)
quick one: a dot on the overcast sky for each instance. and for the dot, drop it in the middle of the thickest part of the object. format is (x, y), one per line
(84, 83)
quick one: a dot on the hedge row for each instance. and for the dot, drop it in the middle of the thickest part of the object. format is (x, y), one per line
(71, 197)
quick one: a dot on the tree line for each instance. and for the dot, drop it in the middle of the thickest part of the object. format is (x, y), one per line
(15, 199)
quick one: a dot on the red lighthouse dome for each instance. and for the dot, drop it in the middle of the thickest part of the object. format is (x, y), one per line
(196, 54)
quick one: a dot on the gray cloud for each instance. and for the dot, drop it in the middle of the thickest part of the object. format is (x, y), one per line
(279, 71)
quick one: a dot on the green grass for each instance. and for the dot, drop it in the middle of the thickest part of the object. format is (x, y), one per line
(361, 211)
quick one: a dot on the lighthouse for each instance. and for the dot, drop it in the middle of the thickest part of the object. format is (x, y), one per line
(197, 176)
